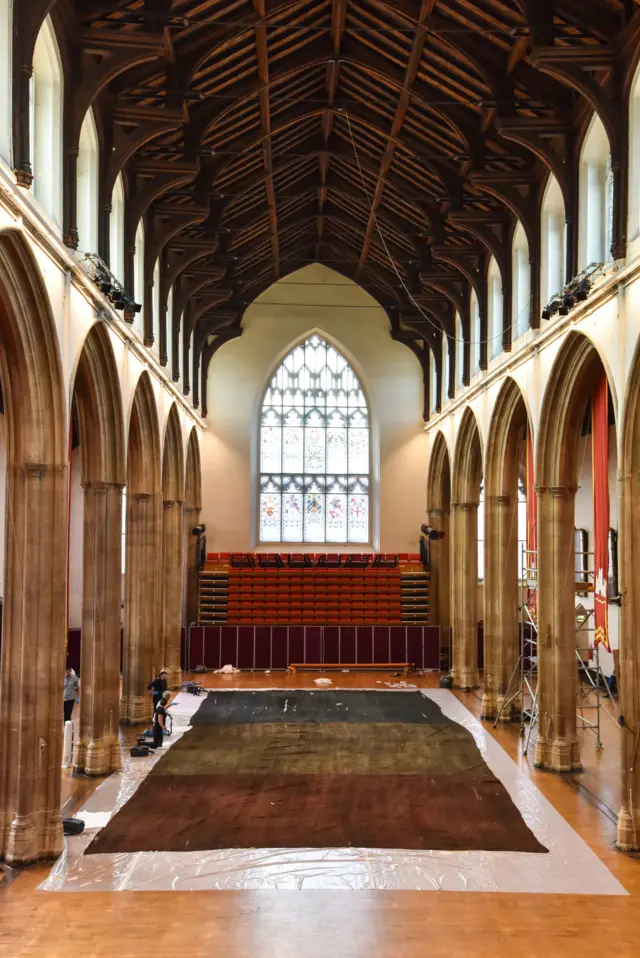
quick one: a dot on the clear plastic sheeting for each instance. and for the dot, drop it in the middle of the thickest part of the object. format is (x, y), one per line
(570, 867)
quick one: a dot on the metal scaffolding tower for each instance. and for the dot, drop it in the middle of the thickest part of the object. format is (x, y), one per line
(591, 686)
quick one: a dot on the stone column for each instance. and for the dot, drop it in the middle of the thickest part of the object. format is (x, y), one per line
(440, 576)
(557, 746)
(628, 833)
(500, 602)
(191, 519)
(465, 595)
(33, 659)
(172, 572)
(98, 748)
(141, 619)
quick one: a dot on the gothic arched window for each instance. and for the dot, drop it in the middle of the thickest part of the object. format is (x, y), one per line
(314, 450)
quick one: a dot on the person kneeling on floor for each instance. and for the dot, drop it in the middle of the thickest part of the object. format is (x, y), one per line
(160, 720)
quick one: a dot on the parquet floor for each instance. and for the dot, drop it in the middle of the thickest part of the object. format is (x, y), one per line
(315, 924)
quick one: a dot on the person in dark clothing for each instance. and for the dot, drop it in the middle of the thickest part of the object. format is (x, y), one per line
(160, 720)
(71, 686)
(158, 687)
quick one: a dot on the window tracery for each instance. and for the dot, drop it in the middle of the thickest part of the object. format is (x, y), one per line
(314, 450)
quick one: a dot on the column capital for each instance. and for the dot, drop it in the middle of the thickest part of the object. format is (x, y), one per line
(169, 503)
(141, 496)
(191, 510)
(34, 470)
(100, 486)
(557, 492)
(466, 506)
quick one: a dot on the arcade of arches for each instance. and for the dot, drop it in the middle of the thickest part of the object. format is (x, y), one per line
(311, 275)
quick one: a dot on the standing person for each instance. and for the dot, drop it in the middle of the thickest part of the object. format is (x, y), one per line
(158, 687)
(71, 686)
(160, 720)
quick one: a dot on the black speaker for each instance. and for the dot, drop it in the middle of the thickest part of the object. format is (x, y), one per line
(72, 826)
(139, 751)
(446, 682)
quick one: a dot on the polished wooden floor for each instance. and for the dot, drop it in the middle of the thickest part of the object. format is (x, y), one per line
(317, 924)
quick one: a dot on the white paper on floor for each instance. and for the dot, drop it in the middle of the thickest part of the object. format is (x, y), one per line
(569, 867)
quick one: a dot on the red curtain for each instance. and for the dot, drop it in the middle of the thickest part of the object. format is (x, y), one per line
(600, 449)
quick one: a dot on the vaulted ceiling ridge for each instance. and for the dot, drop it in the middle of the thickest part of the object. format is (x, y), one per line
(334, 126)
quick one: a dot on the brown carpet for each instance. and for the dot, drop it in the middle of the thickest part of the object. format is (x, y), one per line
(320, 780)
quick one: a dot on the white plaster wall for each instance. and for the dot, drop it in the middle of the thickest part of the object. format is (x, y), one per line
(238, 375)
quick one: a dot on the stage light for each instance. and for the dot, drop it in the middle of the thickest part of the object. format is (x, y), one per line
(583, 290)
(137, 307)
(568, 302)
(105, 287)
(199, 529)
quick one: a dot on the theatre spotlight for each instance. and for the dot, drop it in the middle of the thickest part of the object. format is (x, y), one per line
(431, 533)
(137, 307)
(199, 529)
(105, 287)
(583, 290)
(568, 302)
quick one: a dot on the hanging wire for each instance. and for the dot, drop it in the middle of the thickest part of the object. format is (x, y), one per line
(436, 326)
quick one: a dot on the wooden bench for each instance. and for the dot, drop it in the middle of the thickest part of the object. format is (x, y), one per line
(358, 666)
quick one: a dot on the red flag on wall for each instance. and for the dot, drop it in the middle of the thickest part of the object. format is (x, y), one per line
(600, 450)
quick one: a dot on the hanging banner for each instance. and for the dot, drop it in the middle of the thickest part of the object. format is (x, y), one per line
(600, 451)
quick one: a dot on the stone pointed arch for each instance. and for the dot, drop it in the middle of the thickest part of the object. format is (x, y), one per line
(34, 614)
(628, 832)
(438, 511)
(467, 476)
(100, 413)
(141, 620)
(101, 427)
(172, 547)
(574, 372)
(193, 473)
(505, 460)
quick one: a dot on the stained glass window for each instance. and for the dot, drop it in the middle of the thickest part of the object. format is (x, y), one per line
(314, 450)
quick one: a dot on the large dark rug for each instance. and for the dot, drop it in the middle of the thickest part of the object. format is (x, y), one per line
(319, 769)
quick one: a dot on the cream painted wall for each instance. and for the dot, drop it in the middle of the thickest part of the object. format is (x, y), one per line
(314, 298)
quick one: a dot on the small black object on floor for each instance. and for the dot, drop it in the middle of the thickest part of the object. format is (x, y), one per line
(446, 682)
(72, 826)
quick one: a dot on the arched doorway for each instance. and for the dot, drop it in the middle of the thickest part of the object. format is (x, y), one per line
(467, 479)
(172, 546)
(101, 433)
(438, 512)
(562, 468)
(505, 475)
(142, 556)
(34, 626)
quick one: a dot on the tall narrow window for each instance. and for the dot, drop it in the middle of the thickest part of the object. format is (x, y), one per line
(314, 450)
(156, 308)
(116, 230)
(554, 241)
(634, 159)
(6, 77)
(87, 192)
(594, 235)
(494, 286)
(433, 383)
(169, 333)
(138, 279)
(481, 533)
(521, 282)
(46, 122)
(459, 351)
(475, 334)
(446, 377)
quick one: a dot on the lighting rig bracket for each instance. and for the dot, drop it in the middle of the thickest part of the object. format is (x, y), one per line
(577, 289)
(98, 271)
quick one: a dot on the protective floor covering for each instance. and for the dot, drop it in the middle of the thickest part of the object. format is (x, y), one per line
(570, 867)
(309, 770)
